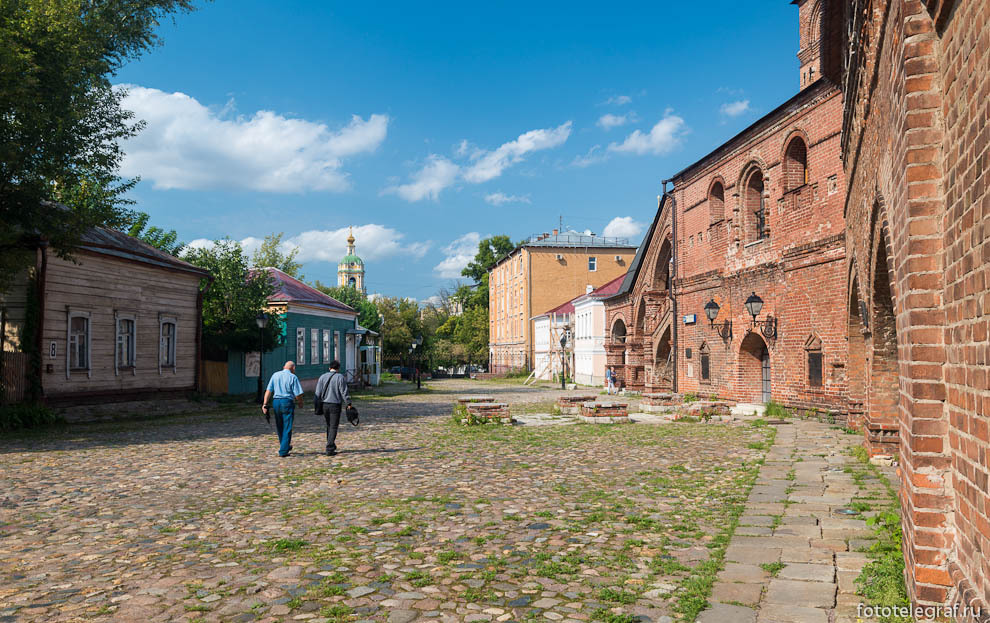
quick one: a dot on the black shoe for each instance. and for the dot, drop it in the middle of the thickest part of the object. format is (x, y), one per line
(331, 453)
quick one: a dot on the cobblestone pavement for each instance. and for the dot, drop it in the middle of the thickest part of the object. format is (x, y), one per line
(196, 518)
(793, 558)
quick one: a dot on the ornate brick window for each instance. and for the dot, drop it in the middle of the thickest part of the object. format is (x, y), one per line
(754, 204)
(813, 349)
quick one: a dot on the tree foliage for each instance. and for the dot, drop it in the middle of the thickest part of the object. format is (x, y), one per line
(352, 297)
(167, 241)
(234, 300)
(270, 254)
(402, 325)
(61, 120)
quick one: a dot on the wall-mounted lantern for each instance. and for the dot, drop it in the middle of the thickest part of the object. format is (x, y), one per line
(724, 329)
(768, 327)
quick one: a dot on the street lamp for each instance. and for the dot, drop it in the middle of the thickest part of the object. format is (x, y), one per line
(262, 321)
(417, 342)
(768, 327)
(563, 342)
(723, 329)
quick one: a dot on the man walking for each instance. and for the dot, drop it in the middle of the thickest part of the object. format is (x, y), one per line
(284, 391)
(332, 389)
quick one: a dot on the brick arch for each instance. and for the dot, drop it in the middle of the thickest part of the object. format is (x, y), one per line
(661, 266)
(793, 178)
(857, 381)
(623, 329)
(639, 324)
(749, 370)
(750, 192)
(716, 212)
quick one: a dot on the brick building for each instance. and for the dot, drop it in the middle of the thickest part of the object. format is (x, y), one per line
(916, 80)
(540, 274)
(761, 214)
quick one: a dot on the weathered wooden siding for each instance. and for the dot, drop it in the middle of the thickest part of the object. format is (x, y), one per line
(102, 285)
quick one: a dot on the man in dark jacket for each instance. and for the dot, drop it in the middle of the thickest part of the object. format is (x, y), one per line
(332, 389)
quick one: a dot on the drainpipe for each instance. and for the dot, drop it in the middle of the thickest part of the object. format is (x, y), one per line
(673, 272)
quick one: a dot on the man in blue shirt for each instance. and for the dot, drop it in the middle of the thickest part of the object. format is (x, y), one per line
(284, 391)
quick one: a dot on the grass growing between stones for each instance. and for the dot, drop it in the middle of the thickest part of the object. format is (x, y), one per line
(881, 582)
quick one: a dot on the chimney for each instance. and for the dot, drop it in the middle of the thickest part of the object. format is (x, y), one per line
(588, 289)
(555, 232)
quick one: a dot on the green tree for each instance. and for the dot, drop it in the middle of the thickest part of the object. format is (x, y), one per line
(61, 120)
(352, 297)
(157, 237)
(402, 325)
(270, 254)
(233, 301)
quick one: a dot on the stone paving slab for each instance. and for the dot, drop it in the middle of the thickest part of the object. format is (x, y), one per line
(815, 582)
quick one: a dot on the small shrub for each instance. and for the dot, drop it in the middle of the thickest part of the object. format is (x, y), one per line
(777, 410)
(691, 397)
(773, 568)
(14, 417)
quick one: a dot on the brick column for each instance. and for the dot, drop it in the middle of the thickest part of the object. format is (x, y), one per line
(916, 236)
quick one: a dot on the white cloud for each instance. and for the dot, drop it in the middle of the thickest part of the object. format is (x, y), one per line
(439, 172)
(489, 165)
(427, 183)
(663, 138)
(734, 109)
(623, 227)
(459, 254)
(373, 242)
(189, 146)
(594, 156)
(609, 121)
(499, 198)
(619, 100)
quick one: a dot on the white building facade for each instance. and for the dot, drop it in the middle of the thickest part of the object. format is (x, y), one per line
(589, 334)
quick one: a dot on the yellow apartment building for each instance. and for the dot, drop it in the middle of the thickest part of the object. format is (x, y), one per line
(544, 272)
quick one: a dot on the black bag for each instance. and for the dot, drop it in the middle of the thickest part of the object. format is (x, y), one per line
(352, 416)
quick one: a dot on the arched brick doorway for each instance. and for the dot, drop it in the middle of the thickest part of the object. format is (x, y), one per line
(754, 379)
(857, 364)
(663, 366)
(882, 415)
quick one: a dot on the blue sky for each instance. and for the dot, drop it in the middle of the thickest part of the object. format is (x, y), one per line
(428, 125)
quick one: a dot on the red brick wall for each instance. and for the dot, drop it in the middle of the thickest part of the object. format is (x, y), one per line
(915, 151)
(799, 271)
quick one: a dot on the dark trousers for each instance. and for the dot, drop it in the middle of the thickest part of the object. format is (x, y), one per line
(331, 413)
(284, 409)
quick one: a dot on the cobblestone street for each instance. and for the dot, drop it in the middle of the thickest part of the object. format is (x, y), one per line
(195, 517)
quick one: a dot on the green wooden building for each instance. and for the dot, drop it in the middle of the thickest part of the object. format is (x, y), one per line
(317, 329)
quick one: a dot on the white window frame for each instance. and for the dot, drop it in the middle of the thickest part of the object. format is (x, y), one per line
(314, 346)
(118, 317)
(326, 346)
(592, 263)
(336, 346)
(69, 315)
(300, 346)
(162, 321)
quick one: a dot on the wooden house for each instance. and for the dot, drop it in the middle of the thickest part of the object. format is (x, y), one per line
(120, 321)
(317, 329)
